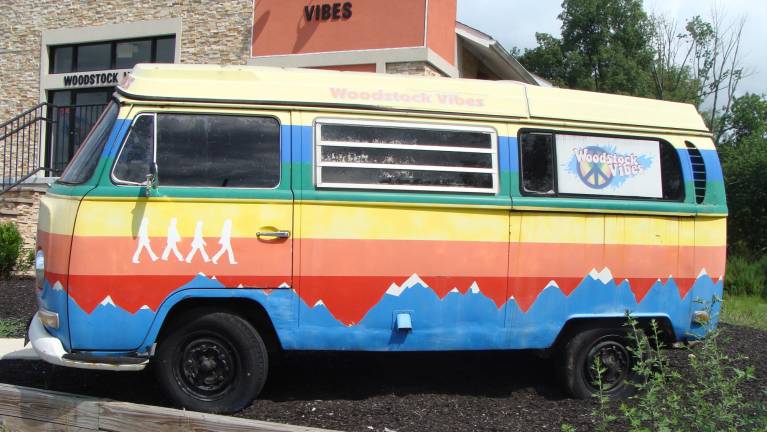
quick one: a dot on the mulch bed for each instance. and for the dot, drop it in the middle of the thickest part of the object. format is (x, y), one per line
(378, 391)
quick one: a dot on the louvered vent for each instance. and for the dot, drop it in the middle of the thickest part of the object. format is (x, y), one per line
(698, 172)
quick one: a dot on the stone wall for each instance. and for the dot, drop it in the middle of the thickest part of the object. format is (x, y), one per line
(412, 68)
(21, 206)
(213, 31)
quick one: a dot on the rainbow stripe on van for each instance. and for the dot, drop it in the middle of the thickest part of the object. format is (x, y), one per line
(473, 272)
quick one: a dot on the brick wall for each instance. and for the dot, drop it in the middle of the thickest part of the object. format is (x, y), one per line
(213, 31)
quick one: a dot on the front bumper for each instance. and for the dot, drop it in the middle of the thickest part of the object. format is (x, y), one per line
(50, 349)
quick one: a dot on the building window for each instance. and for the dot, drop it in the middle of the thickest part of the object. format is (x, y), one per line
(377, 155)
(563, 164)
(203, 150)
(120, 54)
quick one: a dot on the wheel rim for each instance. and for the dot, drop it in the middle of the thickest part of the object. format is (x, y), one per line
(206, 367)
(615, 361)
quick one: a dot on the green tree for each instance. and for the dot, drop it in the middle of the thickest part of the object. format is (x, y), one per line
(744, 160)
(604, 47)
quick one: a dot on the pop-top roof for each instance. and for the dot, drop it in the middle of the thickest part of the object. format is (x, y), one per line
(307, 87)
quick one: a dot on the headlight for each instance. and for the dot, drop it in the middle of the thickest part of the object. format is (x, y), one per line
(40, 268)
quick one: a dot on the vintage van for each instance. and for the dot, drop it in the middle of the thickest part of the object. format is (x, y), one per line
(215, 215)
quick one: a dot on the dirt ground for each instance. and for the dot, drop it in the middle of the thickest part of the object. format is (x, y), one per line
(490, 391)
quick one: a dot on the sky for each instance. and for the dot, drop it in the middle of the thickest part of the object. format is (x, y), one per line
(515, 22)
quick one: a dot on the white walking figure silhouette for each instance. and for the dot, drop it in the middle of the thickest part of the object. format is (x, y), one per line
(198, 244)
(143, 241)
(226, 243)
(172, 246)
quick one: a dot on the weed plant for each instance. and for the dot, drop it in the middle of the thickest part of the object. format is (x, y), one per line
(703, 396)
(746, 276)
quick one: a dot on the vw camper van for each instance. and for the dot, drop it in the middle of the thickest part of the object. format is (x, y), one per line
(215, 215)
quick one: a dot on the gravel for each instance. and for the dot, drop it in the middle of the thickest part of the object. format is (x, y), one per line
(466, 391)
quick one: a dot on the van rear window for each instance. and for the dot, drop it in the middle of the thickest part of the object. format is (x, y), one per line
(381, 155)
(568, 164)
(81, 168)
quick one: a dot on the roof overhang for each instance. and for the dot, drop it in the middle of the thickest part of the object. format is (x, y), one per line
(493, 55)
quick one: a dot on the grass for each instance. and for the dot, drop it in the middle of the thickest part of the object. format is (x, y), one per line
(750, 311)
(11, 327)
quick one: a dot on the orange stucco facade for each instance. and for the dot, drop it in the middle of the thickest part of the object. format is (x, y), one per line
(289, 27)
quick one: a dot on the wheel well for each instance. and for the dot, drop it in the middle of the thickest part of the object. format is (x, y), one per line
(250, 310)
(576, 325)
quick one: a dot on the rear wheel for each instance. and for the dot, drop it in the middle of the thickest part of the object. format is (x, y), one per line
(610, 348)
(216, 362)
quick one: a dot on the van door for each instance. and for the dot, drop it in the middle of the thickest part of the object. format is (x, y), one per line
(218, 214)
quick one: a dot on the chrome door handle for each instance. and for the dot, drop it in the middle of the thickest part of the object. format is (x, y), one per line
(277, 234)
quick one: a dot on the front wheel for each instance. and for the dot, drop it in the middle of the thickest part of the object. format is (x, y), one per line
(609, 347)
(215, 362)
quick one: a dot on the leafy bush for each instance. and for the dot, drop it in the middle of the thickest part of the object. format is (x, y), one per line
(746, 276)
(707, 397)
(10, 248)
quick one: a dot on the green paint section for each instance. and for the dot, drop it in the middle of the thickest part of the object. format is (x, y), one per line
(302, 175)
(616, 205)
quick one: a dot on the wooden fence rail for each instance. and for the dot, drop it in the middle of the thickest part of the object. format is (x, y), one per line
(28, 409)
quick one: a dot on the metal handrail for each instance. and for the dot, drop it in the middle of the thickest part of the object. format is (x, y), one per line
(60, 128)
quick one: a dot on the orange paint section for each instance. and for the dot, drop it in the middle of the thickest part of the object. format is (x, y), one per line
(351, 276)
(350, 68)
(253, 257)
(280, 26)
(440, 28)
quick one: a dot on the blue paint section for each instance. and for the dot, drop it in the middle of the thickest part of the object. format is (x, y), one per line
(307, 144)
(513, 146)
(713, 168)
(115, 140)
(53, 298)
(540, 325)
(459, 321)
(456, 322)
(285, 144)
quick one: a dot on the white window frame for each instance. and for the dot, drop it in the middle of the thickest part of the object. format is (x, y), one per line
(319, 164)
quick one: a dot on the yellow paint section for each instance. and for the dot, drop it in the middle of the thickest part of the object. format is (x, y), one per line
(652, 231)
(123, 218)
(710, 231)
(57, 214)
(402, 222)
(562, 228)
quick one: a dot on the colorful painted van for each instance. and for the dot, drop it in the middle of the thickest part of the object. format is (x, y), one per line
(215, 215)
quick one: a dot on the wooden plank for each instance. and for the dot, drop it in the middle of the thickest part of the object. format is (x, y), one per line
(13, 424)
(123, 416)
(23, 408)
(49, 406)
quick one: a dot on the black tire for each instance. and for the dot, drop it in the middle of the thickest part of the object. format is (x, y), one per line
(611, 345)
(215, 362)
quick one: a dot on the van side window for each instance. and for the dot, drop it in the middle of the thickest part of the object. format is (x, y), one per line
(537, 163)
(565, 164)
(133, 162)
(218, 151)
(377, 155)
(203, 150)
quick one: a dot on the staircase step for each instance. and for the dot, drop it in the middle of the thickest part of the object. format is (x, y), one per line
(15, 200)
(9, 212)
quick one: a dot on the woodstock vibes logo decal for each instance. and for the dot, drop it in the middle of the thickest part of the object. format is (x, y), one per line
(174, 237)
(608, 166)
(599, 168)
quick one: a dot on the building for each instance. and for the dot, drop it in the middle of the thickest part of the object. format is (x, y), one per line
(71, 54)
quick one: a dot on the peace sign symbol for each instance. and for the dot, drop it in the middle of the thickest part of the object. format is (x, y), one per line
(596, 175)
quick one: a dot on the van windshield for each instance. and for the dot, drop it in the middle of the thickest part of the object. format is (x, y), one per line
(81, 167)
